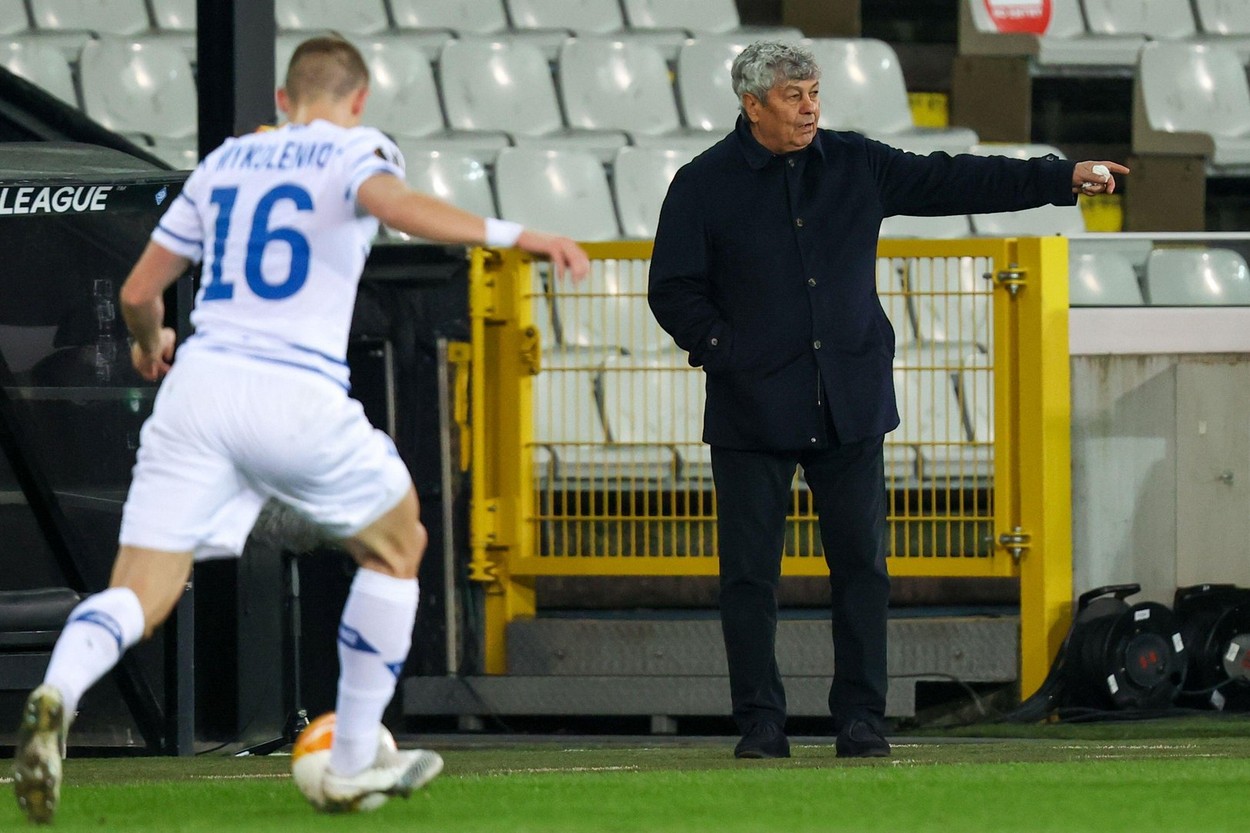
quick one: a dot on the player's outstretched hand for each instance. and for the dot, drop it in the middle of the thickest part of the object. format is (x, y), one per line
(567, 258)
(1096, 177)
(153, 366)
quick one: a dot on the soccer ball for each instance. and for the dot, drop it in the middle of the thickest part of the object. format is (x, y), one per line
(311, 757)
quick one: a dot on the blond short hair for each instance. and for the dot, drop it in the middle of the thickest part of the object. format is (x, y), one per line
(325, 66)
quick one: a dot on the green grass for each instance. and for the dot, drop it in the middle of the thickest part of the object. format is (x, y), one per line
(1026, 784)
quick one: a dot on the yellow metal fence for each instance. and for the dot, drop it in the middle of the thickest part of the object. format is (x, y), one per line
(586, 425)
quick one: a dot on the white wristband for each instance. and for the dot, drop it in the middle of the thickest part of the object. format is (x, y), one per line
(502, 234)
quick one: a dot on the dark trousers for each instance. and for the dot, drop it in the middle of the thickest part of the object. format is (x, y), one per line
(753, 496)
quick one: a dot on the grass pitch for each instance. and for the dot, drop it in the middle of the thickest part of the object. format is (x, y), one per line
(1039, 783)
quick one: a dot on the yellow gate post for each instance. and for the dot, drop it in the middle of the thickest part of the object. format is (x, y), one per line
(1038, 406)
(506, 355)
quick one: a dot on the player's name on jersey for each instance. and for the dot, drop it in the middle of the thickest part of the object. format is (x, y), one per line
(281, 157)
(53, 199)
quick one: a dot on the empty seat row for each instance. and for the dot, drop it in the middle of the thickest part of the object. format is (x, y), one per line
(606, 416)
(1181, 275)
(1107, 33)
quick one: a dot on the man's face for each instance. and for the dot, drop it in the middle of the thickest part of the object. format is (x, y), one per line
(786, 120)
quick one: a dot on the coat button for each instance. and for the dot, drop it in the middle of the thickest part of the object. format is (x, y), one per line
(811, 281)
(790, 162)
(715, 341)
(813, 439)
(799, 222)
(816, 344)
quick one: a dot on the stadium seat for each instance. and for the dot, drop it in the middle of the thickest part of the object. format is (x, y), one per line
(507, 87)
(641, 176)
(586, 18)
(1043, 221)
(41, 64)
(139, 88)
(571, 441)
(657, 398)
(976, 397)
(563, 192)
(464, 18)
(703, 83)
(458, 178)
(1197, 277)
(623, 85)
(359, 17)
(1157, 19)
(403, 98)
(174, 15)
(13, 17)
(1102, 279)
(950, 300)
(1225, 24)
(931, 417)
(609, 307)
(1066, 42)
(862, 89)
(113, 17)
(927, 228)
(699, 16)
(1193, 99)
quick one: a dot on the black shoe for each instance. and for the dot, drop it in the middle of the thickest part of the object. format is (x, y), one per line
(860, 739)
(763, 740)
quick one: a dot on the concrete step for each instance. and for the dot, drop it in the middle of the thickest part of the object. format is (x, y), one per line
(668, 668)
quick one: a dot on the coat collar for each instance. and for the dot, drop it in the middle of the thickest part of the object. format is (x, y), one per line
(757, 156)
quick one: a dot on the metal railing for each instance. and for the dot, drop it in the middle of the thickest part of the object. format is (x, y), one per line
(586, 422)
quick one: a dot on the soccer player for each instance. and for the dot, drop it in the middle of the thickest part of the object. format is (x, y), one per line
(257, 407)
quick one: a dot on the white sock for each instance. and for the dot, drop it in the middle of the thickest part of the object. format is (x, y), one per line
(98, 632)
(374, 636)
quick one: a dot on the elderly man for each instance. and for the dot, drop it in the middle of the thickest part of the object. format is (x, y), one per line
(764, 271)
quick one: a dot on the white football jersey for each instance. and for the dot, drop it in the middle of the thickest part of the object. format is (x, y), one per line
(273, 215)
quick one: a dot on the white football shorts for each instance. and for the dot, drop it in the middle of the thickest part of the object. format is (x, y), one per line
(228, 432)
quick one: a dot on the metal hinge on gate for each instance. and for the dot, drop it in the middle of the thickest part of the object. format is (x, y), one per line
(531, 350)
(1015, 542)
(1012, 278)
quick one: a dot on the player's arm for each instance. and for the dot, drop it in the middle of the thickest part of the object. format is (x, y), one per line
(143, 307)
(389, 198)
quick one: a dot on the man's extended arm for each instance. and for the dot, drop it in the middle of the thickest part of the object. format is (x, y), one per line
(143, 307)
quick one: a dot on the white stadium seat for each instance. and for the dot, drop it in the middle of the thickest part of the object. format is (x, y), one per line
(1197, 277)
(932, 419)
(563, 192)
(892, 293)
(584, 18)
(1193, 99)
(174, 15)
(641, 176)
(703, 82)
(699, 16)
(403, 98)
(465, 18)
(41, 64)
(1065, 43)
(1044, 221)
(507, 87)
(950, 299)
(862, 89)
(139, 88)
(114, 17)
(1156, 19)
(609, 307)
(458, 178)
(623, 85)
(181, 154)
(571, 441)
(656, 397)
(359, 17)
(13, 17)
(1225, 23)
(1102, 279)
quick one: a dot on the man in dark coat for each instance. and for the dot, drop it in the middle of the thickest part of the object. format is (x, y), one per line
(764, 270)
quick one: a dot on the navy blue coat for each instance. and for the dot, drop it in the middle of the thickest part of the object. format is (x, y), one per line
(764, 270)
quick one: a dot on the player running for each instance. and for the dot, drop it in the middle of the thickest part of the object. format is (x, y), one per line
(257, 408)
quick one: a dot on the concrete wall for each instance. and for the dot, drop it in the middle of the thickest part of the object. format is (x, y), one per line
(1160, 471)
